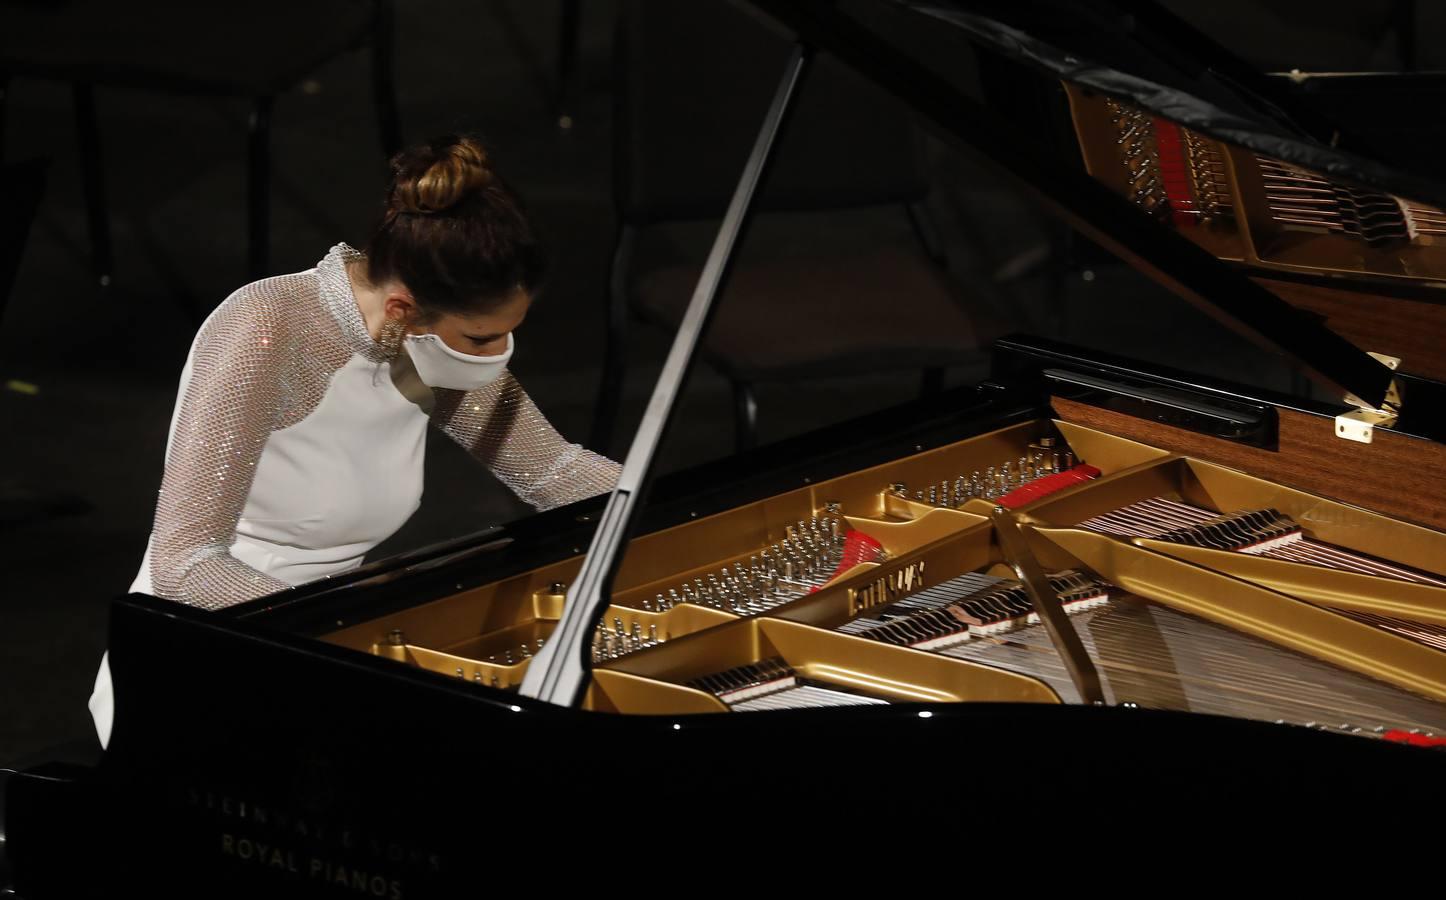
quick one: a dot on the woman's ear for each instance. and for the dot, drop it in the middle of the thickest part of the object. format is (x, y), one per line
(400, 306)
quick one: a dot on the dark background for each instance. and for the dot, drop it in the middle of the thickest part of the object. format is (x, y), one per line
(88, 375)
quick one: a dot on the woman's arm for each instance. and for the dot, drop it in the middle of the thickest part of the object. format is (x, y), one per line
(501, 426)
(228, 407)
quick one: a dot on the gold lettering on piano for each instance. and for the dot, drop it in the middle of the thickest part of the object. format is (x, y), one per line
(888, 588)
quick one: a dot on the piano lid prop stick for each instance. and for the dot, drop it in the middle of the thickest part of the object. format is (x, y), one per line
(1081, 668)
(560, 673)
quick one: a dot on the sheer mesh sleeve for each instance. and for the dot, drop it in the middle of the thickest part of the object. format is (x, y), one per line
(501, 426)
(230, 404)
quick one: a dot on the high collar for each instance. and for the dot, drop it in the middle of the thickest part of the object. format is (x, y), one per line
(340, 301)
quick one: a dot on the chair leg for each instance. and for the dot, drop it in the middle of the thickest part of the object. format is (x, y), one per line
(258, 189)
(610, 383)
(745, 416)
(92, 174)
(932, 384)
(384, 88)
(569, 25)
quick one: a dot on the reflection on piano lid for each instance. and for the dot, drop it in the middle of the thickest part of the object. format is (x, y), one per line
(1251, 208)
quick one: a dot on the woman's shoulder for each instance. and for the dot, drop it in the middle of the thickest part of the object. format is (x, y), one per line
(270, 310)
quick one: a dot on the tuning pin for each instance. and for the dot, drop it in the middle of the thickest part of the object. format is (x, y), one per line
(477, 676)
(618, 625)
(1068, 460)
(459, 673)
(507, 658)
(653, 633)
(496, 681)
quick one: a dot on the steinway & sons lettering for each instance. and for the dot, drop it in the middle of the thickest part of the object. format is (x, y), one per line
(311, 848)
(887, 588)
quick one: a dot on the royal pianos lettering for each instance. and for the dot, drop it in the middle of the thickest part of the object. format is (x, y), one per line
(888, 588)
(286, 859)
(298, 846)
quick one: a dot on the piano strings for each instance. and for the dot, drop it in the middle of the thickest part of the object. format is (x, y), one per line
(1147, 655)
(1265, 532)
(773, 684)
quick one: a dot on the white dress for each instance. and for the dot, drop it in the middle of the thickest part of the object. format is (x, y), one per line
(293, 452)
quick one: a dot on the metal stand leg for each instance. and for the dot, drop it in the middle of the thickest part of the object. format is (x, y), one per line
(384, 89)
(93, 179)
(259, 189)
(569, 24)
(610, 384)
(745, 416)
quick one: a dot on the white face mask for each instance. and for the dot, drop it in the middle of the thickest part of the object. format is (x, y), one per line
(440, 366)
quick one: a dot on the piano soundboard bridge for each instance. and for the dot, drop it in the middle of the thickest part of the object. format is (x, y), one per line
(773, 684)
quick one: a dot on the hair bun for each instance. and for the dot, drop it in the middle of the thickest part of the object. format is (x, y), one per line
(437, 176)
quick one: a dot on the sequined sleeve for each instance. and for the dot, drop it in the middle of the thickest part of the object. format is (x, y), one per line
(501, 426)
(229, 406)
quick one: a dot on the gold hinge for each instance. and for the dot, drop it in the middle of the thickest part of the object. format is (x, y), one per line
(1359, 424)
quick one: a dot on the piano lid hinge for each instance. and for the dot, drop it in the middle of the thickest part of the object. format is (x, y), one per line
(1360, 423)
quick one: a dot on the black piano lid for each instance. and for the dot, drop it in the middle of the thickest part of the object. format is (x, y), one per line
(886, 40)
(1141, 53)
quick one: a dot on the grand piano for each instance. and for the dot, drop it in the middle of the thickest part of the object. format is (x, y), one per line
(1091, 588)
